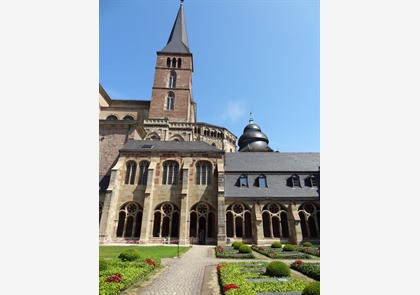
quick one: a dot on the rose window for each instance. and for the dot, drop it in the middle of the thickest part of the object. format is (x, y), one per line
(131, 208)
(237, 208)
(167, 208)
(202, 208)
(309, 208)
(273, 208)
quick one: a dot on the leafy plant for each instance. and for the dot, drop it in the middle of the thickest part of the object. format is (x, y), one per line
(313, 288)
(277, 269)
(129, 255)
(276, 245)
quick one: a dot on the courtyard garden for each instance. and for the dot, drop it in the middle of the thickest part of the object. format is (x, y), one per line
(122, 266)
(237, 250)
(288, 251)
(254, 278)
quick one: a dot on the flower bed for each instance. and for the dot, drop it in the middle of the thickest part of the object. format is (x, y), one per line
(278, 253)
(231, 252)
(234, 276)
(309, 250)
(312, 270)
(118, 275)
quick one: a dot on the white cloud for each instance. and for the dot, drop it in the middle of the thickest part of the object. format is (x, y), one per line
(233, 111)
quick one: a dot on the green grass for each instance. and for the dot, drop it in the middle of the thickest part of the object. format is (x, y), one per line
(146, 251)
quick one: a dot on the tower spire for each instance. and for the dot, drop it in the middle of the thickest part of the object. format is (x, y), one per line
(178, 39)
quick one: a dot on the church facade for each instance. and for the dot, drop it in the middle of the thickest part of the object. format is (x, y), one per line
(163, 176)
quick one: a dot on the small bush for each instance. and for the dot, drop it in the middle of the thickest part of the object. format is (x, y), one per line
(236, 245)
(103, 265)
(129, 255)
(289, 247)
(276, 245)
(245, 249)
(313, 288)
(307, 244)
(277, 269)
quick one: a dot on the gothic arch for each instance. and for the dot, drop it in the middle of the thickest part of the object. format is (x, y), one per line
(176, 137)
(152, 136)
(129, 220)
(166, 220)
(309, 215)
(238, 221)
(275, 221)
(202, 218)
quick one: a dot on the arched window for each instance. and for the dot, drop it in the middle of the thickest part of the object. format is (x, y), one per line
(172, 80)
(144, 165)
(170, 172)
(170, 101)
(238, 221)
(203, 173)
(202, 220)
(275, 221)
(168, 62)
(130, 173)
(166, 220)
(174, 62)
(128, 118)
(129, 220)
(309, 219)
(179, 63)
(112, 118)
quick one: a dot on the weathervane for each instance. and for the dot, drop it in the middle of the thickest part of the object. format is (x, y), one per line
(250, 118)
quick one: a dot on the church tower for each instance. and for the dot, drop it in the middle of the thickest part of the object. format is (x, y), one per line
(172, 87)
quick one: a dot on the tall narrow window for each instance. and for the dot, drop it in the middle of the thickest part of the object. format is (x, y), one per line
(174, 62)
(313, 181)
(168, 62)
(172, 80)
(203, 173)
(170, 101)
(143, 172)
(179, 63)
(130, 173)
(170, 172)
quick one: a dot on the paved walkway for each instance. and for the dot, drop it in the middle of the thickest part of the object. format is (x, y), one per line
(184, 275)
(194, 273)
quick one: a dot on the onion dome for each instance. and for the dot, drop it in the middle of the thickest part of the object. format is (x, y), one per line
(253, 140)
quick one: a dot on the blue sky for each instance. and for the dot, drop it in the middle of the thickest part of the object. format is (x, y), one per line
(249, 56)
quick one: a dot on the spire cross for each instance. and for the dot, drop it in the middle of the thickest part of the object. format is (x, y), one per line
(250, 118)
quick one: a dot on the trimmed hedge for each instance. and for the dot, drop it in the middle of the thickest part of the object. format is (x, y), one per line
(289, 247)
(313, 288)
(129, 255)
(245, 249)
(276, 245)
(277, 269)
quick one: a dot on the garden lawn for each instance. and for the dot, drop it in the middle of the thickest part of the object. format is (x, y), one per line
(153, 252)
(234, 277)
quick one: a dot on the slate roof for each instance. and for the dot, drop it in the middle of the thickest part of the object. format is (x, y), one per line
(271, 162)
(277, 168)
(178, 39)
(169, 146)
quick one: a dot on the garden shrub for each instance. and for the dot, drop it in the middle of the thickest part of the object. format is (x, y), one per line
(276, 245)
(277, 269)
(236, 245)
(289, 247)
(103, 265)
(245, 249)
(313, 288)
(307, 244)
(129, 255)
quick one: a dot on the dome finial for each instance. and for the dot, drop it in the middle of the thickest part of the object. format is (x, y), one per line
(250, 118)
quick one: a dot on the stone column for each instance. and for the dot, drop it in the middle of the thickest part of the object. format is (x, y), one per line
(259, 233)
(221, 212)
(183, 218)
(109, 211)
(148, 217)
(294, 223)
